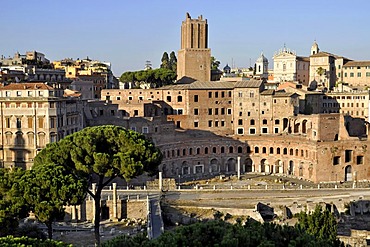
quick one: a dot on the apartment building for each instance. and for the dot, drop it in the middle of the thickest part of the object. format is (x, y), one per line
(33, 115)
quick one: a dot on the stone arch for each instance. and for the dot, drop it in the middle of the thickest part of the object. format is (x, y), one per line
(231, 165)
(304, 126)
(348, 173)
(279, 167)
(296, 127)
(263, 165)
(291, 167)
(285, 124)
(214, 166)
(300, 173)
(248, 163)
(185, 168)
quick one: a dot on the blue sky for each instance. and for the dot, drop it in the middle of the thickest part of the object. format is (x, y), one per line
(127, 33)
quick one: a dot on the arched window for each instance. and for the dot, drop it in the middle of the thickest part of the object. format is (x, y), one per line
(222, 150)
(252, 122)
(264, 150)
(231, 150)
(256, 150)
(271, 150)
(205, 150)
(278, 151)
(240, 150)
(214, 150)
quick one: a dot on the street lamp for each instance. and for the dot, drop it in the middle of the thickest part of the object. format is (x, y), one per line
(179, 181)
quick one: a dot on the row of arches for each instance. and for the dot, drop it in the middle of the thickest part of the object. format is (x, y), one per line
(205, 150)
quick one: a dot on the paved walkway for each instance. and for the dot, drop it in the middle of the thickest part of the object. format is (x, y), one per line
(156, 218)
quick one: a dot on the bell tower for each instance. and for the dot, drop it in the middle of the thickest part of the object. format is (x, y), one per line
(194, 57)
(314, 48)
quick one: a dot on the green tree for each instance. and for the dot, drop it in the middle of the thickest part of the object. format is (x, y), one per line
(47, 188)
(127, 77)
(320, 223)
(173, 61)
(320, 71)
(165, 61)
(214, 63)
(13, 206)
(104, 152)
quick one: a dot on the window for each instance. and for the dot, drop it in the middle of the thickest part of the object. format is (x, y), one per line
(264, 130)
(264, 121)
(347, 156)
(196, 98)
(222, 123)
(336, 160)
(136, 112)
(129, 97)
(229, 111)
(222, 111)
(209, 94)
(222, 94)
(52, 122)
(30, 122)
(41, 93)
(169, 98)
(240, 121)
(8, 94)
(216, 94)
(252, 131)
(351, 74)
(196, 111)
(180, 111)
(216, 111)
(214, 150)
(240, 131)
(19, 93)
(345, 74)
(179, 98)
(205, 150)
(41, 122)
(252, 122)
(19, 123)
(141, 98)
(210, 123)
(367, 74)
(276, 130)
(196, 124)
(145, 130)
(216, 123)
(358, 74)
(240, 94)
(360, 160)
(277, 121)
(209, 111)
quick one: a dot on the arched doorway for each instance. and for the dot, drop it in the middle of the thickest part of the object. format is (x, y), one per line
(263, 165)
(348, 173)
(230, 165)
(213, 166)
(291, 168)
(304, 127)
(279, 167)
(248, 165)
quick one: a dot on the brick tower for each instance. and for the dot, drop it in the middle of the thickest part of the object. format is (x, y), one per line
(194, 57)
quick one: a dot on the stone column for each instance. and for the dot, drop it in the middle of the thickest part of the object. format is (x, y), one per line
(73, 213)
(238, 167)
(160, 180)
(114, 185)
